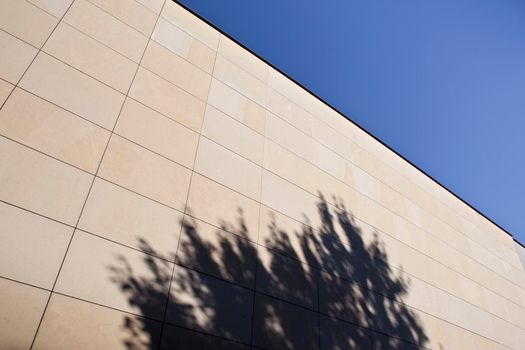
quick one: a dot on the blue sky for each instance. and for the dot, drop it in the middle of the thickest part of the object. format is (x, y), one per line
(440, 81)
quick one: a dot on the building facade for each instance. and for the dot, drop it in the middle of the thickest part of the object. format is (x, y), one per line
(162, 187)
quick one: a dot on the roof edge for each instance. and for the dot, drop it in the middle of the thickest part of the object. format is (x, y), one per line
(346, 117)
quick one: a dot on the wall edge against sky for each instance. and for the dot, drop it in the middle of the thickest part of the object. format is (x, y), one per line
(221, 31)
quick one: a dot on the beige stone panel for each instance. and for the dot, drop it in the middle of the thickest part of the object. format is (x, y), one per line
(465, 315)
(184, 45)
(185, 20)
(74, 324)
(366, 184)
(435, 329)
(415, 236)
(219, 205)
(305, 175)
(157, 132)
(472, 292)
(15, 57)
(207, 304)
(233, 135)
(153, 5)
(5, 90)
(243, 58)
(224, 254)
(367, 162)
(329, 161)
(288, 236)
(145, 172)
(507, 334)
(41, 184)
(125, 217)
(101, 271)
(332, 139)
(443, 277)
(289, 199)
(414, 213)
(420, 295)
(288, 137)
(458, 338)
(106, 29)
(55, 7)
(89, 56)
(21, 307)
(496, 304)
(228, 168)
(373, 213)
(32, 247)
(287, 279)
(289, 111)
(414, 262)
(517, 314)
(26, 21)
(168, 99)
(130, 12)
(240, 80)
(294, 169)
(237, 106)
(73, 90)
(173, 68)
(39, 124)
(291, 90)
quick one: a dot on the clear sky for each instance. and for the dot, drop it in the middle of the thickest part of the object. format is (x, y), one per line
(440, 81)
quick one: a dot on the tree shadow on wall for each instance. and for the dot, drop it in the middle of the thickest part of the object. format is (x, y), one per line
(300, 288)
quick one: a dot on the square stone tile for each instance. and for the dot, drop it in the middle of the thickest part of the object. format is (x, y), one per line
(74, 324)
(15, 57)
(110, 274)
(130, 12)
(185, 20)
(289, 237)
(145, 172)
(106, 29)
(48, 128)
(216, 252)
(5, 90)
(280, 325)
(210, 305)
(233, 135)
(177, 70)
(181, 43)
(168, 99)
(32, 247)
(41, 184)
(289, 137)
(157, 132)
(125, 217)
(55, 7)
(336, 334)
(343, 299)
(240, 80)
(26, 21)
(21, 308)
(218, 205)
(237, 106)
(73, 90)
(228, 168)
(287, 279)
(288, 199)
(153, 5)
(91, 57)
(289, 111)
(243, 58)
